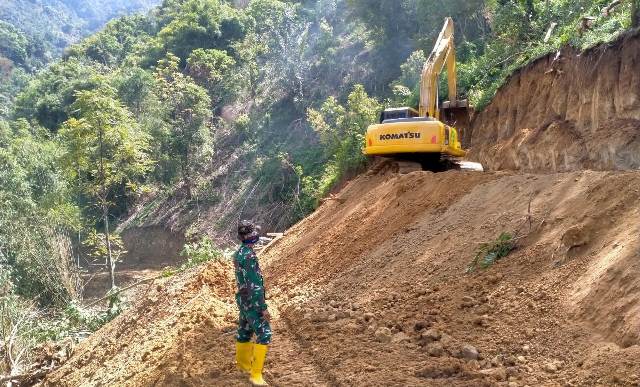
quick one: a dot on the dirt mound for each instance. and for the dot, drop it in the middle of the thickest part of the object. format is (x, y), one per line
(373, 289)
(566, 111)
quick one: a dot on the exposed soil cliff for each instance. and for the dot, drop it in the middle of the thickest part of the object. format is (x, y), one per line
(567, 111)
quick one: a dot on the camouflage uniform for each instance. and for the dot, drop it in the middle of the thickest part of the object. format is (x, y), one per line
(250, 298)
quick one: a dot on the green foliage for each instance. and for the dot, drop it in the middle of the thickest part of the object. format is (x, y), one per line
(104, 148)
(406, 89)
(96, 244)
(213, 70)
(48, 98)
(341, 130)
(201, 24)
(35, 215)
(517, 37)
(32, 33)
(187, 117)
(490, 252)
(13, 44)
(200, 252)
(116, 41)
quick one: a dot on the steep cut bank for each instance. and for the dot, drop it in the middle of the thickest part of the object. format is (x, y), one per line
(372, 289)
(566, 111)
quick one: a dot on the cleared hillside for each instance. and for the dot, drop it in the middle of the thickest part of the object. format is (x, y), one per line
(374, 290)
(373, 287)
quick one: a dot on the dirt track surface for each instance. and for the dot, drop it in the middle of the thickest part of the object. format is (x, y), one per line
(373, 290)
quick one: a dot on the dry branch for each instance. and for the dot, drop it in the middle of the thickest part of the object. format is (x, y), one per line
(143, 281)
(333, 197)
(550, 31)
(23, 377)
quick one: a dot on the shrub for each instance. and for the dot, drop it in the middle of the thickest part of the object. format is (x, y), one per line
(200, 252)
(490, 252)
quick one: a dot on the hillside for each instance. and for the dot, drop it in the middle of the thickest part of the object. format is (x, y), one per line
(566, 111)
(374, 291)
(135, 152)
(35, 32)
(374, 287)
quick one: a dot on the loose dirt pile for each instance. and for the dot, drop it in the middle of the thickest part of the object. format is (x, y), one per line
(372, 289)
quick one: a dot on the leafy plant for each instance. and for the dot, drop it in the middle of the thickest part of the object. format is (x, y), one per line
(341, 130)
(490, 252)
(104, 152)
(200, 252)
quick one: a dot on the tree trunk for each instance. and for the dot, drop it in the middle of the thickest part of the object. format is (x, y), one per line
(107, 237)
(105, 210)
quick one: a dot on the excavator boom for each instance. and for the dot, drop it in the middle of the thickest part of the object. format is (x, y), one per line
(456, 112)
(443, 54)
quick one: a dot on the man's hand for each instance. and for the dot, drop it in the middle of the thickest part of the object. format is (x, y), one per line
(266, 315)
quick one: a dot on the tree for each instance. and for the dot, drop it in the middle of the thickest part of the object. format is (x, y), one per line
(48, 97)
(212, 69)
(118, 39)
(188, 116)
(635, 13)
(341, 130)
(35, 215)
(104, 151)
(201, 24)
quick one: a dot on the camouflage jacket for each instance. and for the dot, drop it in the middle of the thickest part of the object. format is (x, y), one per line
(249, 279)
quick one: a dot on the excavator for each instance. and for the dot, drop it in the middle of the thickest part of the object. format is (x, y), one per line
(426, 136)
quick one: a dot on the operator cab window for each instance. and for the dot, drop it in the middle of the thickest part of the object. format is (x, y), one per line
(404, 114)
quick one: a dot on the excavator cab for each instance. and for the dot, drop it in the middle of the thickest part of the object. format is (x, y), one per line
(398, 114)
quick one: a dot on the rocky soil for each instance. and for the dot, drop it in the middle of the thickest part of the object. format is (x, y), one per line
(374, 290)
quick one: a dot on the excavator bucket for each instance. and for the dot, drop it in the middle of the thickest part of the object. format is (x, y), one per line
(458, 115)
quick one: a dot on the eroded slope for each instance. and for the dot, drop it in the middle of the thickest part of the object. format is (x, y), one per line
(372, 289)
(566, 111)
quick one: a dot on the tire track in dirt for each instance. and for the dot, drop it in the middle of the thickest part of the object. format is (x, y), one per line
(293, 363)
(322, 375)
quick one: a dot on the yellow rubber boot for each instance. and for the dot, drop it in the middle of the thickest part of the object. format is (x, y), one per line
(244, 352)
(259, 354)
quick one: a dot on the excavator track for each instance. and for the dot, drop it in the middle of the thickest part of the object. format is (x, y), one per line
(404, 164)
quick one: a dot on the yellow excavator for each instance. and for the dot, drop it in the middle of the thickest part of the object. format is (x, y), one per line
(426, 135)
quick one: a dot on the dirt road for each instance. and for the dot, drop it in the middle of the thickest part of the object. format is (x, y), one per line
(374, 291)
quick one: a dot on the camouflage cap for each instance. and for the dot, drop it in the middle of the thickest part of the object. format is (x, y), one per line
(248, 230)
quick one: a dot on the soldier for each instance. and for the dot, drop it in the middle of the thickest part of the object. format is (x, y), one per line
(254, 316)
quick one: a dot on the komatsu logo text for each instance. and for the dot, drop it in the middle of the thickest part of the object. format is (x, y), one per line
(399, 136)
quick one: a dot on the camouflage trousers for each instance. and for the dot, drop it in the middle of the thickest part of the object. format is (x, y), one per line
(250, 322)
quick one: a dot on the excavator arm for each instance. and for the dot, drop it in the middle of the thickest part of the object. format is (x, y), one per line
(444, 53)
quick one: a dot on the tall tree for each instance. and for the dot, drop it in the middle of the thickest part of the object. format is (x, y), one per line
(104, 151)
(188, 116)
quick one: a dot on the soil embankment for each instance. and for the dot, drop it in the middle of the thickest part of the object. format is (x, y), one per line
(373, 290)
(565, 112)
